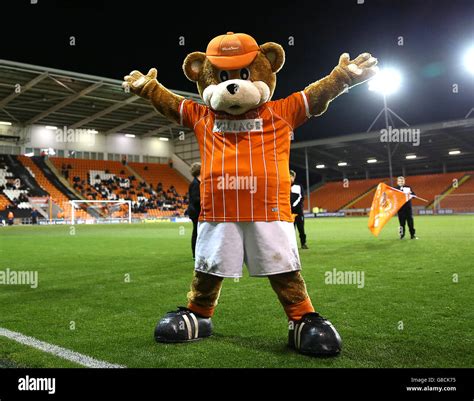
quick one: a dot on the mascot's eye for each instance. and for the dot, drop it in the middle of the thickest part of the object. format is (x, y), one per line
(244, 73)
(224, 76)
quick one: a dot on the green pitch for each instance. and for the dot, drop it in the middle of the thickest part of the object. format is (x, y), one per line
(102, 289)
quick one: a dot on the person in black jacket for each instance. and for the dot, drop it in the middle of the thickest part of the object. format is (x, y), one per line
(194, 208)
(405, 214)
(297, 201)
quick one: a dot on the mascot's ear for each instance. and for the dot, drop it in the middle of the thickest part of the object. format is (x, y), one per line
(192, 65)
(275, 54)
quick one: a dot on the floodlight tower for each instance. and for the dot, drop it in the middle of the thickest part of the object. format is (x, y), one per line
(386, 82)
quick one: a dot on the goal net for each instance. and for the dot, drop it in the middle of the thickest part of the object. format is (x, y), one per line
(454, 203)
(101, 211)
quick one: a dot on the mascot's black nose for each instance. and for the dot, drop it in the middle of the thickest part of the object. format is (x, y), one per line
(233, 88)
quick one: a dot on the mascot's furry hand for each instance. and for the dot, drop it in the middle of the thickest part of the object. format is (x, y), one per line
(359, 70)
(141, 85)
(346, 74)
(146, 86)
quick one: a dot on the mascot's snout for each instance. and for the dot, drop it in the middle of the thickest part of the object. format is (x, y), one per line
(236, 96)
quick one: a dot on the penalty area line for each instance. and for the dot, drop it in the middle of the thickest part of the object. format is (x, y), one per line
(60, 352)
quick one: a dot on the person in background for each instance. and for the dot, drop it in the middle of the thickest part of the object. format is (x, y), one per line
(10, 218)
(297, 201)
(34, 216)
(194, 208)
(405, 214)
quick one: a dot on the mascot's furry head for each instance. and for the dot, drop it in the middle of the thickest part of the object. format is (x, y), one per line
(235, 74)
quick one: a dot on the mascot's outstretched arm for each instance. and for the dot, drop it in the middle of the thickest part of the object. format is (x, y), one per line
(346, 74)
(146, 86)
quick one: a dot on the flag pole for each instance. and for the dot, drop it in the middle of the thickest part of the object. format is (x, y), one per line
(413, 196)
(422, 199)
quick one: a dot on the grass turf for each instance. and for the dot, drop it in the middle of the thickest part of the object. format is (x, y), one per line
(83, 279)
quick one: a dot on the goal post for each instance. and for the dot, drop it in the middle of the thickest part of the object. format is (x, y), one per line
(101, 211)
(454, 203)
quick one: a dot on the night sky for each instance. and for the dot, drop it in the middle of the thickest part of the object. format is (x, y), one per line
(115, 37)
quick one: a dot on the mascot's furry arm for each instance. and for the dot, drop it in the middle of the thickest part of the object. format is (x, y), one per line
(146, 86)
(346, 74)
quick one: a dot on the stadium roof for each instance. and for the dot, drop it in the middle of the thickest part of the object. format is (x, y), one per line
(55, 97)
(436, 140)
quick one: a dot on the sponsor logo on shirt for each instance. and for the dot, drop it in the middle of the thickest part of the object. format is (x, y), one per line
(233, 126)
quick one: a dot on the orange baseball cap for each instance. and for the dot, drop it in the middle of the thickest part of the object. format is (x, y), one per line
(232, 51)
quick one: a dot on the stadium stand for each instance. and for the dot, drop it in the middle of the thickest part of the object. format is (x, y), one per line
(333, 196)
(4, 202)
(468, 186)
(156, 173)
(429, 185)
(460, 198)
(57, 196)
(16, 185)
(161, 194)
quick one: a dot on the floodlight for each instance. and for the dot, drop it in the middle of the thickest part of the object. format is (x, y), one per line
(386, 82)
(469, 60)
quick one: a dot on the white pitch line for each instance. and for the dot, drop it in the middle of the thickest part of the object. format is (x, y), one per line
(61, 352)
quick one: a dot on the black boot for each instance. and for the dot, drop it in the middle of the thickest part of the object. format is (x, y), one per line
(313, 335)
(181, 326)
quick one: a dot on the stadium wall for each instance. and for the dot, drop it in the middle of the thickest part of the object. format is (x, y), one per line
(40, 137)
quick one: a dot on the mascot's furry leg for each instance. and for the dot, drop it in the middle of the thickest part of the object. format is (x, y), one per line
(194, 321)
(309, 332)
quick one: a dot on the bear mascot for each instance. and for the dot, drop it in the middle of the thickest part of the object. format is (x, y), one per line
(244, 140)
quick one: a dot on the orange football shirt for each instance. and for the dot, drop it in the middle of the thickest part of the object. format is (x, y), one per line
(245, 159)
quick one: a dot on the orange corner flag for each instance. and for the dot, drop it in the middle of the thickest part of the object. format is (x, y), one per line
(387, 201)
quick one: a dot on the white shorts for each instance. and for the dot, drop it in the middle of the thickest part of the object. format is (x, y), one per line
(266, 248)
